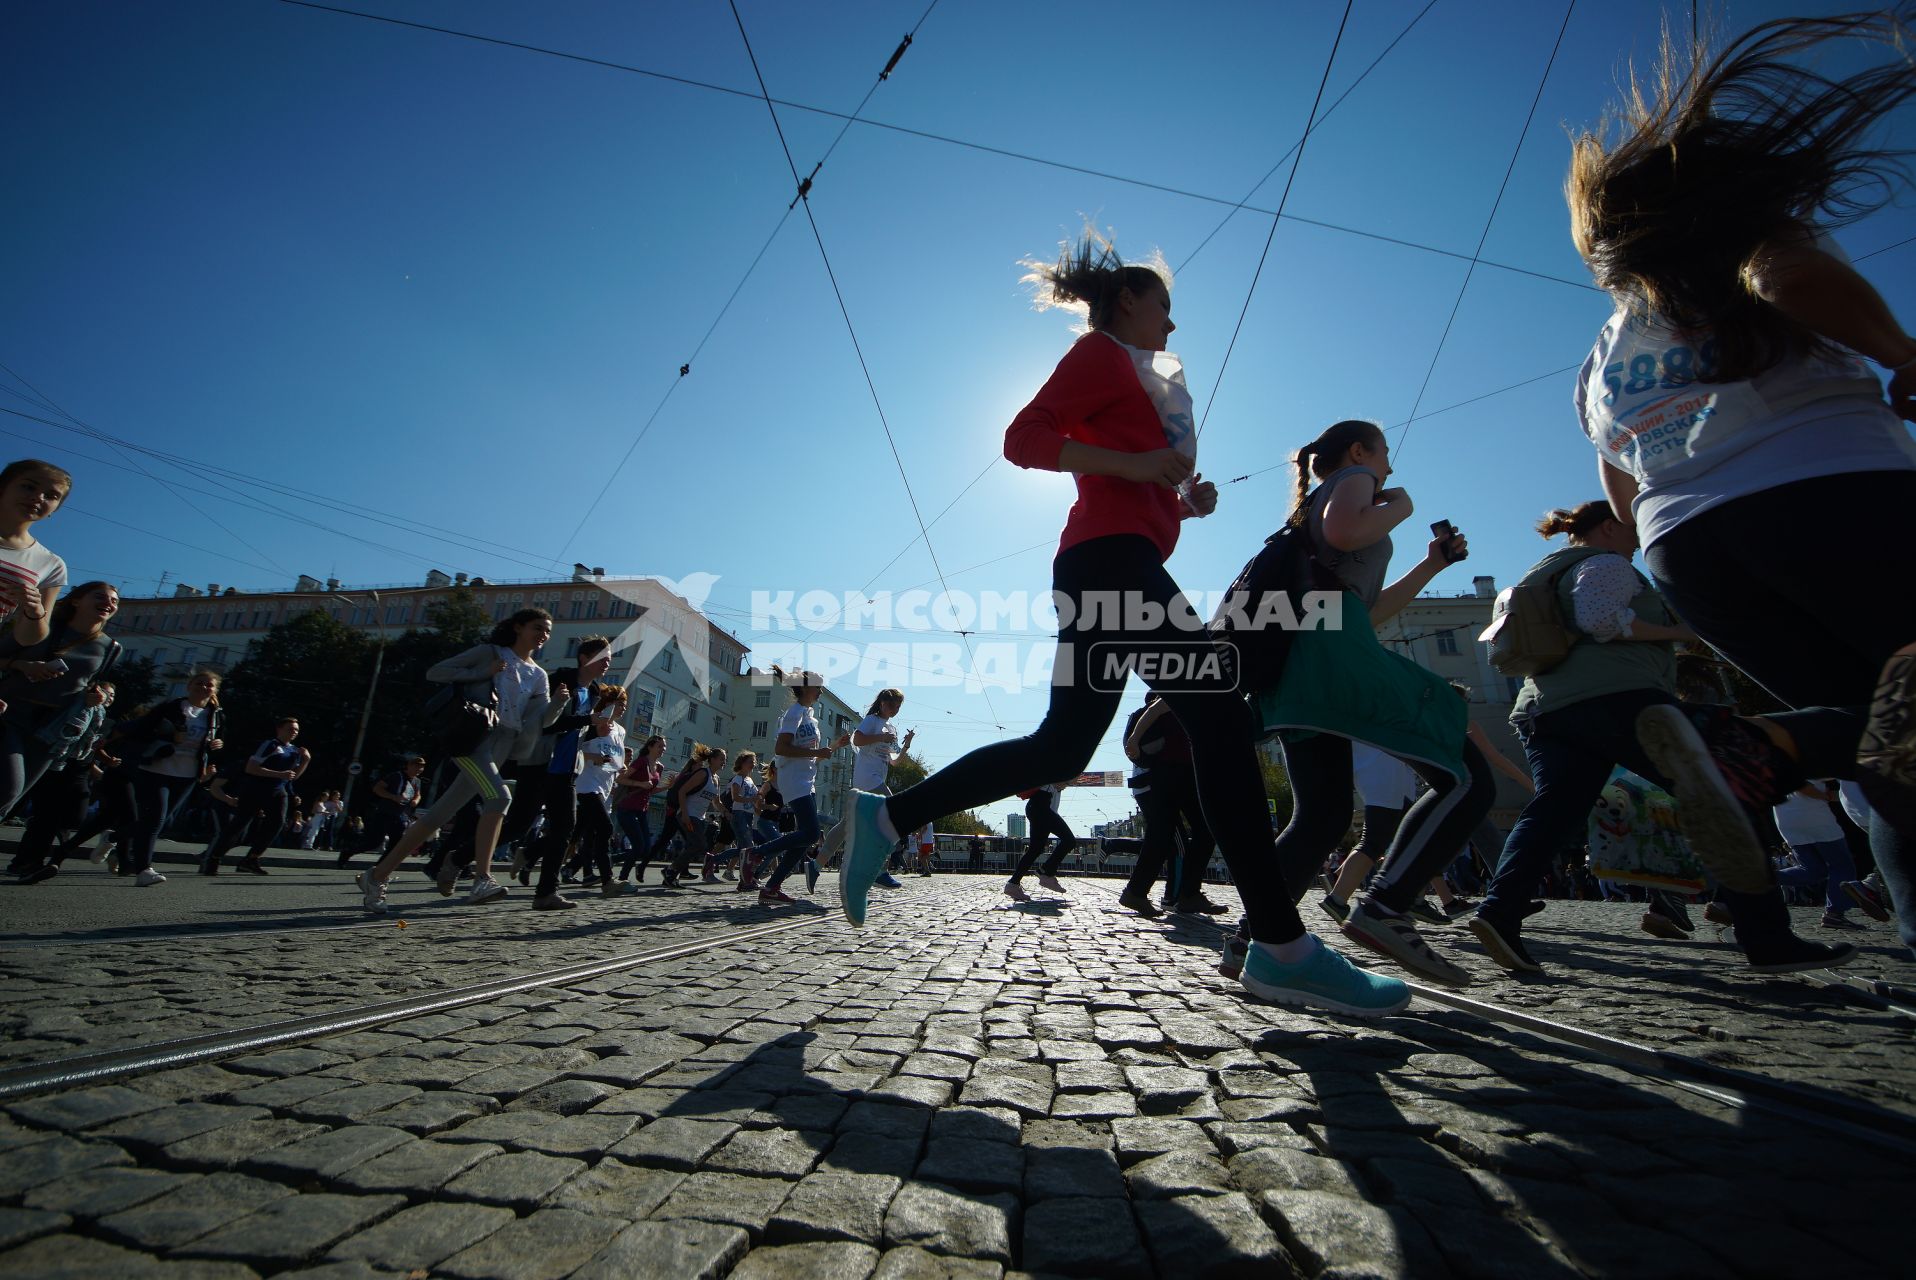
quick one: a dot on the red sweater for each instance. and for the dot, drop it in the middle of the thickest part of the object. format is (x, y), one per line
(1094, 397)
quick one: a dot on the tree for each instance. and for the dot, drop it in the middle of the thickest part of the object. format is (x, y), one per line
(909, 770)
(136, 683)
(311, 666)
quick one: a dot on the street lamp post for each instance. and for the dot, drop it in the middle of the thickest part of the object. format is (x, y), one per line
(366, 711)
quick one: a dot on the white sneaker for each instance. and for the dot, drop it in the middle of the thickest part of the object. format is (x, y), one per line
(372, 894)
(485, 889)
(100, 851)
(148, 878)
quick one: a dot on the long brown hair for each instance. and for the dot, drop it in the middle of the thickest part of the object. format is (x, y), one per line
(1722, 157)
(1316, 460)
(61, 615)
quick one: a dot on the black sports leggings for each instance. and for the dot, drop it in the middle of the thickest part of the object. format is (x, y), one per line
(1127, 567)
(1045, 823)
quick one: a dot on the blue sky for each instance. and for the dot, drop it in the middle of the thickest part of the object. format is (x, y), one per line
(451, 281)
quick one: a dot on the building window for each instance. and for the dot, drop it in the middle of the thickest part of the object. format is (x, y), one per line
(718, 727)
(572, 647)
(725, 693)
(1447, 644)
(159, 656)
(665, 659)
(691, 713)
(760, 729)
(188, 654)
(685, 747)
(763, 698)
(219, 656)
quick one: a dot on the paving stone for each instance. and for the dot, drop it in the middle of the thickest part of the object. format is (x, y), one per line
(944, 1220)
(84, 1108)
(20, 1225)
(674, 1143)
(156, 1129)
(26, 1167)
(1090, 1077)
(770, 1153)
(973, 1164)
(332, 1271)
(191, 1210)
(1164, 1089)
(13, 1134)
(1423, 1182)
(1213, 1237)
(995, 1124)
(562, 1097)
(294, 1229)
(65, 1257)
(937, 1066)
(1093, 1134)
(647, 1104)
(819, 1111)
(416, 1169)
(1094, 1106)
(910, 1263)
(545, 1245)
(326, 1154)
(727, 1198)
(350, 1105)
(1077, 1236)
(508, 1082)
(435, 1110)
(1141, 1138)
(626, 1070)
(831, 1205)
(912, 1091)
(683, 1250)
(1177, 1173)
(1026, 1097)
(286, 1062)
(838, 1260)
(95, 1193)
(282, 1092)
(885, 1120)
(423, 1236)
(870, 1153)
(616, 1190)
(1480, 1245)
(1286, 1169)
(1235, 1138)
(407, 1069)
(1076, 1172)
(1320, 1229)
(517, 1179)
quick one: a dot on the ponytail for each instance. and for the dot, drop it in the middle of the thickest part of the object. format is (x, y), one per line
(1318, 459)
(1578, 521)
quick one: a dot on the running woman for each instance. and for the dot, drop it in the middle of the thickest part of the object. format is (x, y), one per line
(742, 798)
(879, 747)
(265, 795)
(502, 668)
(1740, 430)
(640, 781)
(31, 577)
(545, 771)
(1043, 821)
(64, 791)
(1116, 414)
(1824, 865)
(1165, 791)
(173, 743)
(1341, 686)
(694, 793)
(799, 749)
(45, 670)
(604, 753)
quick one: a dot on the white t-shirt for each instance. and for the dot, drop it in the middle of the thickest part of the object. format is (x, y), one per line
(184, 761)
(604, 758)
(1801, 820)
(32, 566)
(798, 775)
(742, 785)
(874, 758)
(926, 838)
(521, 681)
(1383, 780)
(700, 801)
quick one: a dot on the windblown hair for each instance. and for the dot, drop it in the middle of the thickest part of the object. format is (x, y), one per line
(1725, 157)
(1089, 277)
(1316, 460)
(797, 678)
(884, 696)
(1577, 521)
(506, 632)
(60, 617)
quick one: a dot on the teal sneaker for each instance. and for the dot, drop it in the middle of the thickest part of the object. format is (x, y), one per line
(866, 848)
(1325, 981)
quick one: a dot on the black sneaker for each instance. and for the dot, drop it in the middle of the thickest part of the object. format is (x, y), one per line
(1457, 908)
(1504, 944)
(40, 874)
(1796, 955)
(1424, 911)
(1335, 907)
(1833, 921)
(1139, 903)
(1535, 907)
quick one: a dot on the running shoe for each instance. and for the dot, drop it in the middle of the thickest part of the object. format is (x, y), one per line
(148, 878)
(706, 877)
(614, 889)
(1397, 937)
(1661, 926)
(1335, 907)
(372, 893)
(1326, 980)
(1139, 903)
(1016, 892)
(1886, 756)
(773, 898)
(447, 879)
(1866, 900)
(40, 874)
(1672, 910)
(208, 867)
(1756, 769)
(1719, 913)
(667, 880)
(1051, 882)
(867, 846)
(590, 882)
(1427, 912)
(1710, 804)
(250, 866)
(1457, 908)
(1504, 945)
(887, 880)
(811, 875)
(1796, 955)
(112, 858)
(552, 902)
(1833, 920)
(101, 852)
(1198, 905)
(728, 874)
(485, 889)
(1231, 963)
(1535, 907)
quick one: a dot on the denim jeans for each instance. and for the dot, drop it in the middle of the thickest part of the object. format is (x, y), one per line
(1826, 866)
(791, 846)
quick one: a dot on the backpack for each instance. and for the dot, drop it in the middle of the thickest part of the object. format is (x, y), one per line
(1528, 634)
(1254, 657)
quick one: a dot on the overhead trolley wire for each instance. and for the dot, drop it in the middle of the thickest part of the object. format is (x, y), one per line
(1482, 239)
(1309, 123)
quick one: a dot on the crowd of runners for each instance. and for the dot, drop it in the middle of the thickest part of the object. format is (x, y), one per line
(1744, 444)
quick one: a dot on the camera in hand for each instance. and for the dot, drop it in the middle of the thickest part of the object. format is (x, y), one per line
(1448, 532)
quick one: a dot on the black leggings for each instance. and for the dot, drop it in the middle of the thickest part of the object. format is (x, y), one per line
(1173, 827)
(595, 834)
(1045, 823)
(1214, 717)
(59, 804)
(263, 815)
(1434, 827)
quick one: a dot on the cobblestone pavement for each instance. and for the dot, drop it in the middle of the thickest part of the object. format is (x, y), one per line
(958, 1090)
